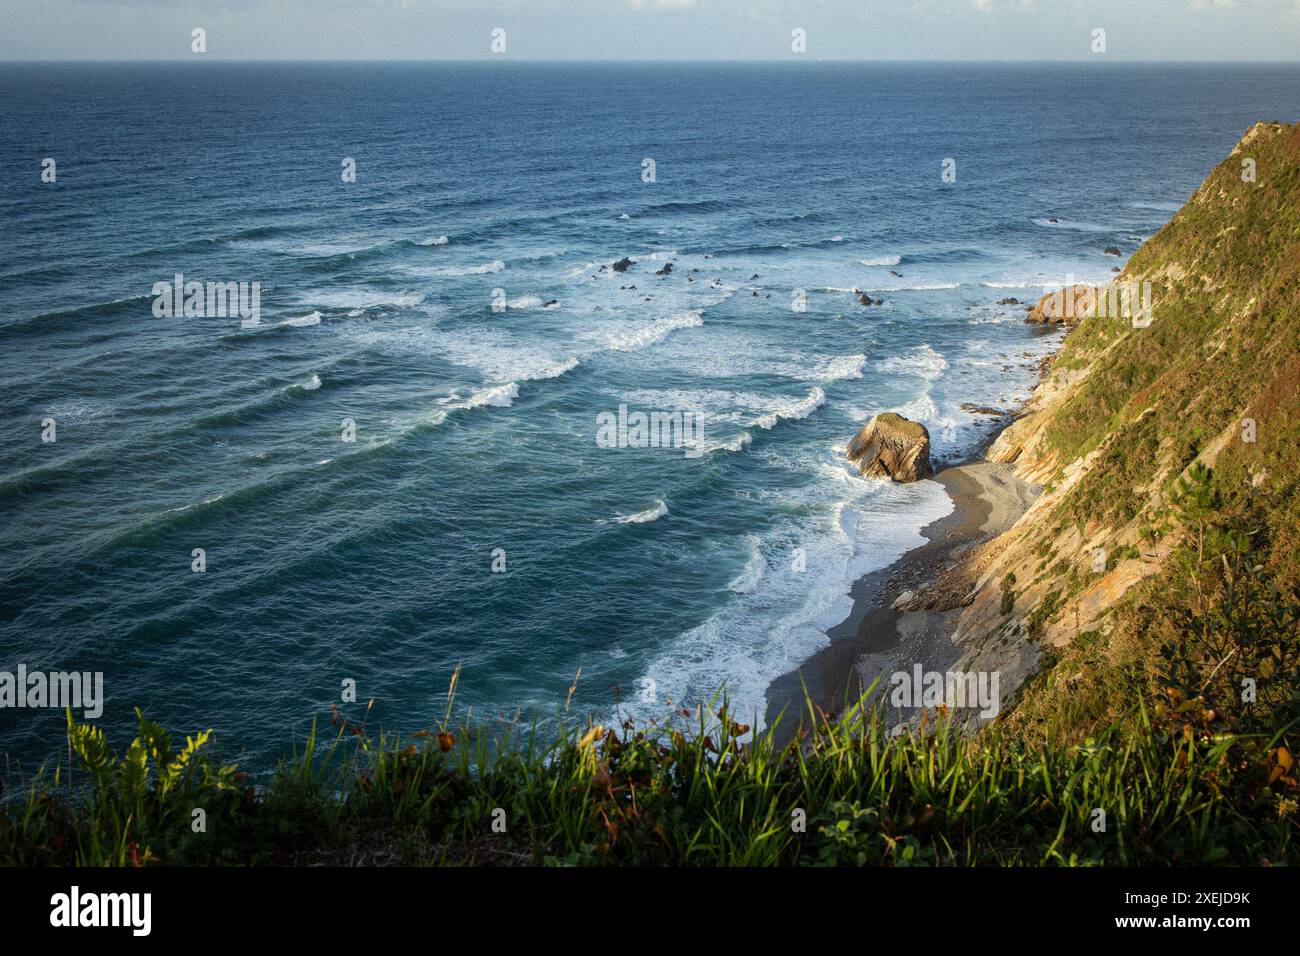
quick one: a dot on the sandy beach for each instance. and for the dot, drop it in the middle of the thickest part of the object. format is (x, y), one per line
(876, 640)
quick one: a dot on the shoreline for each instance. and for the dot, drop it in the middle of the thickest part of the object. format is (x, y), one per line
(876, 639)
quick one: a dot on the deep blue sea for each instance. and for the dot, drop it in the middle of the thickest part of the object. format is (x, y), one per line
(511, 185)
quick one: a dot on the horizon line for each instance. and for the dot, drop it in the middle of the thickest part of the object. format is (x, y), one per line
(666, 61)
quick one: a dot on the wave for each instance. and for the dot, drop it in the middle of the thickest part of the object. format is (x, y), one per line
(642, 517)
(553, 371)
(794, 411)
(946, 255)
(1074, 226)
(303, 321)
(361, 298)
(496, 265)
(737, 444)
(751, 576)
(883, 261)
(43, 321)
(699, 205)
(919, 287)
(433, 241)
(311, 385)
(847, 366)
(840, 529)
(496, 396)
(656, 331)
(921, 360)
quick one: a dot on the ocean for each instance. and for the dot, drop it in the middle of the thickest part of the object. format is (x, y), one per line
(397, 470)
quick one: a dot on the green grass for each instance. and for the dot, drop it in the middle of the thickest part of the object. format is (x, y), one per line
(686, 793)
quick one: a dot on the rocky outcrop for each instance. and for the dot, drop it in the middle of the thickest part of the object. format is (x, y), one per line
(894, 447)
(623, 264)
(1066, 306)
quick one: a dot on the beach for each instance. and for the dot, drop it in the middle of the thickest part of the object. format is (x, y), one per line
(876, 639)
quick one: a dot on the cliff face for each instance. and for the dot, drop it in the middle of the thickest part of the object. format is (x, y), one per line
(1209, 374)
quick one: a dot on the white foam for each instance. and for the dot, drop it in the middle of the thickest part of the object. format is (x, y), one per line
(435, 241)
(312, 384)
(552, 371)
(793, 411)
(641, 517)
(737, 444)
(497, 396)
(496, 265)
(752, 575)
(921, 360)
(655, 331)
(917, 287)
(844, 526)
(364, 298)
(882, 261)
(847, 366)
(303, 321)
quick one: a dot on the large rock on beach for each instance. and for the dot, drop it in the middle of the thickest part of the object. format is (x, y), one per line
(1067, 306)
(894, 447)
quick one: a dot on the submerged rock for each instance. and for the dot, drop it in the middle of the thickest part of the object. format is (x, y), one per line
(894, 447)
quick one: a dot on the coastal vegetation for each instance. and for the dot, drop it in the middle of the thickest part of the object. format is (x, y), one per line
(1160, 787)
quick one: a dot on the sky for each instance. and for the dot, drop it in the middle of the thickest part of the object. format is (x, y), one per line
(1267, 30)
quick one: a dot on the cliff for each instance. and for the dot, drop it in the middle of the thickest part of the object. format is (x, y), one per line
(1156, 424)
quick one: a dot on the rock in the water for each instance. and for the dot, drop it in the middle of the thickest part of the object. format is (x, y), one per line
(668, 267)
(623, 264)
(1009, 301)
(891, 446)
(982, 409)
(1113, 251)
(1067, 306)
